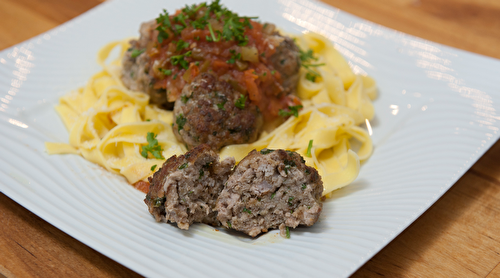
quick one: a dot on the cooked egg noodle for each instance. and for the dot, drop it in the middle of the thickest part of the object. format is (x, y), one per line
(108, 123)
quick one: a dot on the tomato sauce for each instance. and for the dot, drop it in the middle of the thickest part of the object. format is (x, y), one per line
(176, 60)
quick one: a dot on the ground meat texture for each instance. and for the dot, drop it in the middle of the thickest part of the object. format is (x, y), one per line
(286, 60)
(185, 189)
(270, 189)
(135, 71)
(207, 113)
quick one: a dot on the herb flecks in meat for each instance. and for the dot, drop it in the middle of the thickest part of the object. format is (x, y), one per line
(180, 121)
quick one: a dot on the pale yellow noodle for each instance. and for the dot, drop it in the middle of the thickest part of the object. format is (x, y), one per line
(108, 123)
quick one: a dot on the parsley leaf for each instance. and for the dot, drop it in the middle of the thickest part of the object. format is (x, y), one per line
(152, 147)
(287, 234)
(180, 60)
(180, 45)
(240, 102)
(136, 52)
(247, 210)
(153, 167)
(306, 57)
(234, 57)
(292, 110)
(309, 147)
(183, 166)
(166, 71)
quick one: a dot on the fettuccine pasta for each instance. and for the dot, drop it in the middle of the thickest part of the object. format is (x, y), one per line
(108, 123)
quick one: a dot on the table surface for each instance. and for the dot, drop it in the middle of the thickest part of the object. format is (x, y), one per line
(459, 236)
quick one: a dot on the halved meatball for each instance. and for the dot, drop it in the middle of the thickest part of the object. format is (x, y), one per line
(185, 189)
(270, 189)
(212, 112)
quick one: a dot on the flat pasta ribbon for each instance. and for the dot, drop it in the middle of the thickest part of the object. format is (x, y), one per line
(108, 123)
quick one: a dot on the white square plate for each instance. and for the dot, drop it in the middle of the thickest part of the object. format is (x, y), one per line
(435, 116)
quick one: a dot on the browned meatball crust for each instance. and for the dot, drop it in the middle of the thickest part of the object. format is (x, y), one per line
(207, 113)
(286, 60)
(185, 189)
(270, 189)
(135, 71)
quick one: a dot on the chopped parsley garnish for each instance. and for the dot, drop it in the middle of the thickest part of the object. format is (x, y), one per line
(153, 167)
(290, 199)
(233, 25)
(292, 110)
(136, 52)
(272, 195)
(234, 57)
(229, 225)
(311, 76)
(273, 72)
(247, 210)
(166, 71)
(240, 102)
(164, 24)
(201, 174)
(266, 151)
(183, 166)
(309, 148)
(180, 61)
(306, 57)
(152, 147)
(287, 234)
(175, 76)
(213, 38)
(180, 121)
(180, 45)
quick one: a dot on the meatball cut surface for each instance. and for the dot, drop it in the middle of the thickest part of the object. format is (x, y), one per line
(270, 189)
(212, 112)
(185, 189)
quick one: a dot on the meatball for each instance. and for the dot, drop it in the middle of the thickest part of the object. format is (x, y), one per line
(135, 71)
(185, 189)
(212, 112)
(270, 189)
(286, 60)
